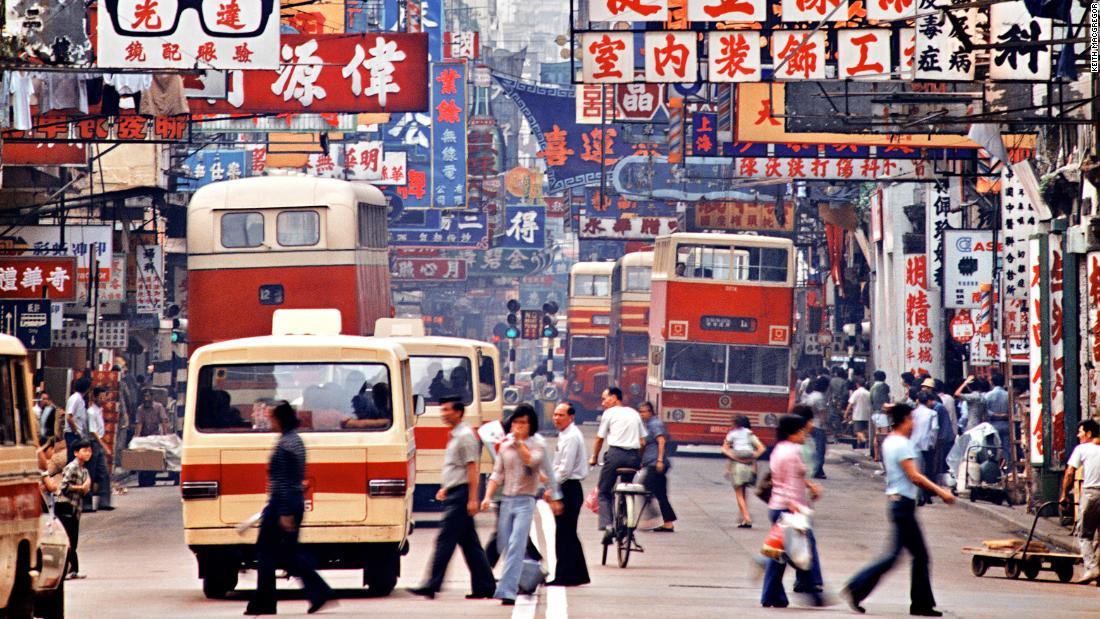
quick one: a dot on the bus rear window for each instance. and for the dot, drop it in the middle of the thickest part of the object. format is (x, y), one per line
(591, 285)
(637, 279)
(298, 228)
(242, 230)
(731, 263)
(635, 348)
(588, 348)
(329, 397)
(437, 378)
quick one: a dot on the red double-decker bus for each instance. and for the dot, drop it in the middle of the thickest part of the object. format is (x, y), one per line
(589, 323)
(628, 345)
(720, 333)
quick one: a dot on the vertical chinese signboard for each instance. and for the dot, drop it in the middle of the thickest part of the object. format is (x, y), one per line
(216, 34)
(448, 134)
(1057, 351)
(150, 279)
(923, 343)
(1035, 360)
(1093, 332)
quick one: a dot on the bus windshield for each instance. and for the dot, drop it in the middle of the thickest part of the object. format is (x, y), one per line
(588, 348)
(728, 366)
(637, 279)
(327, 396)
(731, 263)
(592, 285)
(635, 348)
(437, 378)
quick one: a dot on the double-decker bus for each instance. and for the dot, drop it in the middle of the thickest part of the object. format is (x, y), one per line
(720, 333)
(589, 324)
(256, 245)
(628, 344)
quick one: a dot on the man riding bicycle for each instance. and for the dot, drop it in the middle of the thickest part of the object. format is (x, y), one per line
(622, 428)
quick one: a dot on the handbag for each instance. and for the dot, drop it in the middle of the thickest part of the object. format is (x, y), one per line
(764, 487)
(592, 501)
(773, 543)
(531, 576)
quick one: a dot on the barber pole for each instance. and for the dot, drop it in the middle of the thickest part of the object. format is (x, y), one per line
(985, 312)
(676, 130)
(725, 112)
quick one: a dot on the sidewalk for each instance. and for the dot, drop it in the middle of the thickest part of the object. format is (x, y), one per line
(1047, 530)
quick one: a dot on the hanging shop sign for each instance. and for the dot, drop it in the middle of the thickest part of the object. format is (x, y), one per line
(738, 216)
(962, 327)
(968, 263)
(465, 45)
(597, 105)
(524, 227)
(942, 212)
(207, 167)
(428, 269)
(333, 73)
(80, 242)
(884, 107)
(128, 127)
(833, 169)
(1019, 222)
(149, 261)
(448, 134)
(1021, 56)
(632, 228)
(214, 34)
(457, 229)
(922, 343)
(1036, 298)
(500, 262)
(38, 278)
(43, 154)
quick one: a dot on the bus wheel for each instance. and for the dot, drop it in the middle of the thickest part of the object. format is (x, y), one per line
(383, 568)
(219, 576)
(21, 600)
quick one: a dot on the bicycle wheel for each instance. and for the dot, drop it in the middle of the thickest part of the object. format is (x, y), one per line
(623, 535)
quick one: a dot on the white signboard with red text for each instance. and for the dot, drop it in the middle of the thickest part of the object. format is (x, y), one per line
(1093, 321)
(1035, 360)
(923, 341)
(172, 34)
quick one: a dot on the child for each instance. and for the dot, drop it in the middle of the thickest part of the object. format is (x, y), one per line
(75, 484)
(742, 448)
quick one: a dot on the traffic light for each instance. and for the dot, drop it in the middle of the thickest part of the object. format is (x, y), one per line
(179, 330)
(549, 319)
(512, 331)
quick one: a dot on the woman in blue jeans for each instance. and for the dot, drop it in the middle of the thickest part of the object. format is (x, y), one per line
(517, 472)
(789, 486)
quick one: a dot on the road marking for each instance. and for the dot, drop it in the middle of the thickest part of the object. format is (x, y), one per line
(557, 603)
(525, 607)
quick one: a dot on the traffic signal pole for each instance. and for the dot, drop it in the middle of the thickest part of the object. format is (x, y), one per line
(512, 333)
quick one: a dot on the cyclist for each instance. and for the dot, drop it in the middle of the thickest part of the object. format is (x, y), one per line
(622, 428)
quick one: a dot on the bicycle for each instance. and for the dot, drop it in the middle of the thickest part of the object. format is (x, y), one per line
(626, 510)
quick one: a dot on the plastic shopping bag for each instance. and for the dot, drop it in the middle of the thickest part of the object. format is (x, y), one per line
(592, 501)
(796, 546)
(773, 543)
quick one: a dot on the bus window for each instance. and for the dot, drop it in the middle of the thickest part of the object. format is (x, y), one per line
(7, 408)
(588, 348)
(21, 399)
(591, 285)
(696, 363)
(329, 397)
(372, 226)
(242, 230)
(770, 264)
(637, 279)
(298, 228)
(487, 377)
(703, 262)
(759, 365)
(436, 378)
(635, 347)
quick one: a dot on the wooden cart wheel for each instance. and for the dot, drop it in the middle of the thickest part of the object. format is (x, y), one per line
(1012, 568)
(1064, 570)
(1032, 567)
(978, 566)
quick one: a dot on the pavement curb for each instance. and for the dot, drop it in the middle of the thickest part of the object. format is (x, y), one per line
(1018, 520)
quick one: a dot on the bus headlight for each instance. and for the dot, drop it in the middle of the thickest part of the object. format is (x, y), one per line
(677, 414)
(770, 420)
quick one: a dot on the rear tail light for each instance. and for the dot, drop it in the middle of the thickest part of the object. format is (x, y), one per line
(388, 487)
(199, 490)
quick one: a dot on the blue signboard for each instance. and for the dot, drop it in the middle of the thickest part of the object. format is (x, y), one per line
(448, 134)
(431, 17)
(704, 134)
(524, 227)
(416, 194)
(207, 167)
(432, 228)
(27, 320)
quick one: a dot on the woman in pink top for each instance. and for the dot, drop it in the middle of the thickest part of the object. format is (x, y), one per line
(789, 486)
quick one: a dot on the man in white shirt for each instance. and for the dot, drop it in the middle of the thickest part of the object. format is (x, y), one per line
(570, 467)
(1086, 456)
(97, 467)
(76, 415)
(925, 430)
(859, 411)
(622, 428)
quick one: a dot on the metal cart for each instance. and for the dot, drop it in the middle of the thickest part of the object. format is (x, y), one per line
(1023, 561)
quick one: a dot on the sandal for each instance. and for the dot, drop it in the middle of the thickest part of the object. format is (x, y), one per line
(744, 525)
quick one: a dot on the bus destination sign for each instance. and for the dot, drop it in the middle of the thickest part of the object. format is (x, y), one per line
(737, 324)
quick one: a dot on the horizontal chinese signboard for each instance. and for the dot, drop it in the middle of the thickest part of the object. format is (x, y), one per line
(428, 269)
(637, 228)
(79, 242)
(174, 34)
(81, 130)
(833, 169)
(44, 153)
(736, 216)
(38, 278)
(334, 73)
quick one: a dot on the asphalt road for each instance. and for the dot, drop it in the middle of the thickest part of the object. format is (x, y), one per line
(138, 565)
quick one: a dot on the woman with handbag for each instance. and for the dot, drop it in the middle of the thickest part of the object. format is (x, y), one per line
(742, 448)
(789, 487)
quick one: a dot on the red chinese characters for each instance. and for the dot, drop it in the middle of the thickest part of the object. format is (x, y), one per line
(815, 10)
(863, 54)
(670, 57)
(726, 10)
(556, 152)
(734, 56)
(802, 55)
(890, 9)
(920, 349)
(628, 10)
(608, 57)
